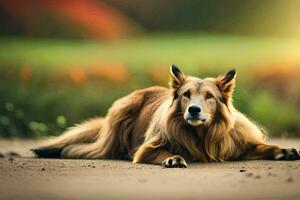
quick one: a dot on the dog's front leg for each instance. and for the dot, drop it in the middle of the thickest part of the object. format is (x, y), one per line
(174, 161)
(270, 152)
(160, 157)
(153, 152)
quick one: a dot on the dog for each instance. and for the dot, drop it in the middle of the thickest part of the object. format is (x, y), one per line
(192, 121)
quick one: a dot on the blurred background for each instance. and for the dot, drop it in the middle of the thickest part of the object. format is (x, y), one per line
(64, 61)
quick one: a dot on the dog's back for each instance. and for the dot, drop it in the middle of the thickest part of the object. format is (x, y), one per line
(119, 133)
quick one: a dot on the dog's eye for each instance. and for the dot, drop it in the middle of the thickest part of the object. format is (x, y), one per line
(187, 94)
(209, 96)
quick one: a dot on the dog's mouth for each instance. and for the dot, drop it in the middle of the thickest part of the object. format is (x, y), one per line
(196, 121)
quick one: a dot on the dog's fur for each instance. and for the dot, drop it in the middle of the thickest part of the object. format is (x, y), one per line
(152, 125)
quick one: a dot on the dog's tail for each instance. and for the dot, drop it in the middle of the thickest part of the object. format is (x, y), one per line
(85, 132)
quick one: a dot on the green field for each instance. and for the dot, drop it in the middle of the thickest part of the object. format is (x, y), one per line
(48, 101)
(186, 50)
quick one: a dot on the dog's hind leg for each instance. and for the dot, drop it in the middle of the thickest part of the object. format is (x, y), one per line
(86, 132)
(270, 152)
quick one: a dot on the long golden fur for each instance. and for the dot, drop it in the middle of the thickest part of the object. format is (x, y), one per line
(192, 121)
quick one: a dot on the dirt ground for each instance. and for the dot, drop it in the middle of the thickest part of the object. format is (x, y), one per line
(30, 178)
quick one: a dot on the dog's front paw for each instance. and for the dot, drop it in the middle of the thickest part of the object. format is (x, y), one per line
(174, 162)
(288, 154)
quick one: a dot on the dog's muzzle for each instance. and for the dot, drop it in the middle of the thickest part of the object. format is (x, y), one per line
(194, 116)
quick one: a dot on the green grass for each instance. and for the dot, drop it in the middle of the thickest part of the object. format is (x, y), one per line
(185, 50)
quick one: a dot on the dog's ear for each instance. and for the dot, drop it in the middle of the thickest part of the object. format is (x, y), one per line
(177, 76)
(226, 83)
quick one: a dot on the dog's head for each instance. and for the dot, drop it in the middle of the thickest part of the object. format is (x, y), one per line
(200, 100)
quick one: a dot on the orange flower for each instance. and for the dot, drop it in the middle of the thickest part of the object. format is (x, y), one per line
(78, 75)
(26, 73)
(115, 72)
(159, 72)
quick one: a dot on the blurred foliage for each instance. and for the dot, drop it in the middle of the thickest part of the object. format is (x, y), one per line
(255, 17)
(111, 19)
(48, 85)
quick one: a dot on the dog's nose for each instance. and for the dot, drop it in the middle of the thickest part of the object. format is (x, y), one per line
(194, 110)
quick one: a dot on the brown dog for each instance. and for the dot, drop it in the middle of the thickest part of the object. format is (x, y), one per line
(193, 121)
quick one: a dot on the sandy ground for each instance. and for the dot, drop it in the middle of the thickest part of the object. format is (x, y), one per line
(29, 178)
